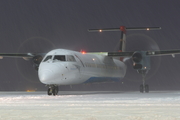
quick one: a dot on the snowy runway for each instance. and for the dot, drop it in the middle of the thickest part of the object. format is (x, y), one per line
(90, 105)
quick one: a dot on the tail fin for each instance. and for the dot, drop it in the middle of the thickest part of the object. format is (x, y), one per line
(122, 45)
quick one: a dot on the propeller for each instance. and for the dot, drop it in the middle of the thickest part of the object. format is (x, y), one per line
(27, 69)
(141, 42)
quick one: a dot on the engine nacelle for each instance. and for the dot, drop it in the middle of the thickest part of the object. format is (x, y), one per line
(36, 61)
(141, 61)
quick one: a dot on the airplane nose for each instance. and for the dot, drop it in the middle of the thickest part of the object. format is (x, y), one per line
(50, 73)
(46, 75)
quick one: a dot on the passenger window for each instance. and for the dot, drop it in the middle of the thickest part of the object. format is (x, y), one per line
(47, 58)
(70, 58)
(59, 57)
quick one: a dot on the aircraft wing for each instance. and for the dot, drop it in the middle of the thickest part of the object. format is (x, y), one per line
(21, 55)
(148, 53)
(120, 54)
(163, 52)
(25, 56)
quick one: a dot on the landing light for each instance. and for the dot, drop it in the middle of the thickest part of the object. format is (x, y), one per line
(100, 30)
(147, 29)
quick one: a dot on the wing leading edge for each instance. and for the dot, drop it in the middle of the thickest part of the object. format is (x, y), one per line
(111, 54)
(25, 56)
(148, 53)
(17, 55)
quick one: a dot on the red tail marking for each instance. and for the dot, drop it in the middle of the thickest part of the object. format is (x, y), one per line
(123, 28)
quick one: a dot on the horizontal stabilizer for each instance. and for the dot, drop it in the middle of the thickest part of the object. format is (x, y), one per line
(127, 28)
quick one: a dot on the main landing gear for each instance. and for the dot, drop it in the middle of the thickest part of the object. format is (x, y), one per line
(52, 90)
(143, 87)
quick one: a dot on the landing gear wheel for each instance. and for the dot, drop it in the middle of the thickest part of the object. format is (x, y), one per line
(141, 88)
(147, 88)
(49, 92)
(55, 90)
(52, 90)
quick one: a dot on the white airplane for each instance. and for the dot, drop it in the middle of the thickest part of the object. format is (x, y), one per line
(66, 67)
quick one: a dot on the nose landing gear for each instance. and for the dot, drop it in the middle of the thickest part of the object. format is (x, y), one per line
(52, 90)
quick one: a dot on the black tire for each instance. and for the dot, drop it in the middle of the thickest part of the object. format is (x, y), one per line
(55, 91)
(49, 92)
(147, 88)
(141, 88)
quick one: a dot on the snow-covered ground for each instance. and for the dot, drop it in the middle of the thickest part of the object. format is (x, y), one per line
(107, 105)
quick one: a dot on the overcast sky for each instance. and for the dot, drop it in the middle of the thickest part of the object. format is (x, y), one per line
(42, 25)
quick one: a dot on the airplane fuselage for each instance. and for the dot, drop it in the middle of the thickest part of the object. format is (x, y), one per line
(66, 67)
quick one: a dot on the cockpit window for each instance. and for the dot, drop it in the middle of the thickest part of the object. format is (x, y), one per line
(70, 58)
(47, 58)
(59, 57)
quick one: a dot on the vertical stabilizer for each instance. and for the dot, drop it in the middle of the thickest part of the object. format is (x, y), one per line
(122, 45)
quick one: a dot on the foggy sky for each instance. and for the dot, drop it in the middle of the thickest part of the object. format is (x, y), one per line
(42, 25)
